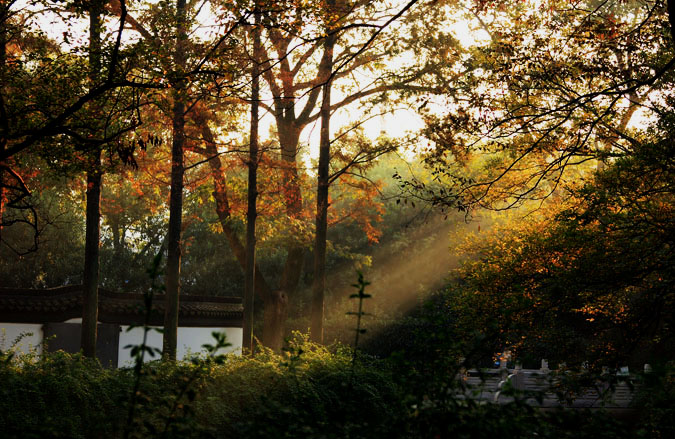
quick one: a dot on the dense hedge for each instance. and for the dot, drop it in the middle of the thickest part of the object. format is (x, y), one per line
(60, 395)
(308, 392)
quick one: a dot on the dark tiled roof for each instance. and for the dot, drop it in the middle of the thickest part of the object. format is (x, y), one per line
(63, 303)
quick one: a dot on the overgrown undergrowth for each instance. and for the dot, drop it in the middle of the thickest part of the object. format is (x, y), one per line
(307, 392)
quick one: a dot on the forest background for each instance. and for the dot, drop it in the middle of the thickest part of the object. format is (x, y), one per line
(532, 208)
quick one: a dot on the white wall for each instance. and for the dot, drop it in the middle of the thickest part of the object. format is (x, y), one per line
(135, 337)
(11, 331)
(190, 341)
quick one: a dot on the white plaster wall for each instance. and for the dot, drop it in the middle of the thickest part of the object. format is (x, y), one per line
(10, 331)
(190, 341)
(135, 337)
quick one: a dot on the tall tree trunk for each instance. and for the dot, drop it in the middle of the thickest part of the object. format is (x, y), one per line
(117, 236)
(276, 309)
(319, 282)
(289, 137)
(91, 260)
(4, 124)
(251, 213)
(262, 288)
(2, 200)
(274, 305)
(289, 126)
(176, 197)
(93, 214)
(275, 312)
(275, 301)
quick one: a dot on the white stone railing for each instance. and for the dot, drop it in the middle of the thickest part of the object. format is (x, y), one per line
(545, 388)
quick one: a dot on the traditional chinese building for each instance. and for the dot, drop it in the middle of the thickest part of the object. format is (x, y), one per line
(54, 315)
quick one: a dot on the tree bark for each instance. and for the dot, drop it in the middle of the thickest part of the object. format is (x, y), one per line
(289, 126)
(176, 197)
(91, 262)
(289, 137)
(2, 202)
(319, 282)
(93, 213)
(276, 310)
(4, 128)
(117, 236)
(251, 213)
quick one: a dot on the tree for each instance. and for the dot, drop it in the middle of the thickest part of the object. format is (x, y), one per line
(252, 190)
(179, 96)
(63, 113)
(294, 79)
(316, 329)
(589, 281)
(94, 182)
(583, 282)
(60, 215)
(184, 61)
(41, 113)
(548, 93)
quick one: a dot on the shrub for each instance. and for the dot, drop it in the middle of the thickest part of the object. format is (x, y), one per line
(309, 391)
(60, 395)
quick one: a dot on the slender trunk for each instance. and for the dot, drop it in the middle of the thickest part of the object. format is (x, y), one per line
(176, 197)
(117, 231)
(262, 288)
(319, 283)
(251, 213)
(289, 126)
(276, 310)
(117, 237)
(92, 223)
(275, 302)
(289, 136)
(2, 201)
(4, 124)
(91, 262)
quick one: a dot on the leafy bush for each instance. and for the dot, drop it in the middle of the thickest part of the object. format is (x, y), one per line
(60, 395)
(309, 391)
